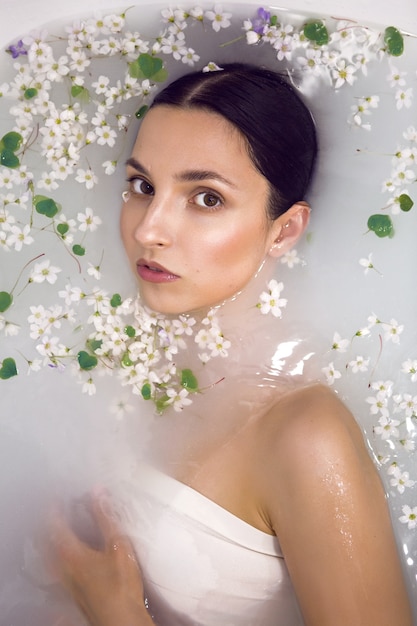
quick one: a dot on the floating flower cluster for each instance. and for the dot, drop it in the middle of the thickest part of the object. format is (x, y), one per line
(139, 345)
(393, 414)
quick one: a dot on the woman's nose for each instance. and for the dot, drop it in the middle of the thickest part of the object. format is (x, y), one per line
(153, 228)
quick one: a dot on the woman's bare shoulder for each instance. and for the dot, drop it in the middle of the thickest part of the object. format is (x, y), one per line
(322, 496)
(310, 436)
(308, 417)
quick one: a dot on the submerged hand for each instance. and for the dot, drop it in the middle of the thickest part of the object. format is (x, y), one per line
(105, 582)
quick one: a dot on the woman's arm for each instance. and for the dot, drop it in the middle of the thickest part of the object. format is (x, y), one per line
(105, 583)
(327, 505)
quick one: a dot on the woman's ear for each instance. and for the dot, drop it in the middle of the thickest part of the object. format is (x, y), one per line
(288, 228)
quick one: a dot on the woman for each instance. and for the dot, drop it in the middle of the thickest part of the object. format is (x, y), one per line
(217, 179)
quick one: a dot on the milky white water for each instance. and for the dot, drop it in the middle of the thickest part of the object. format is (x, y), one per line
(55, 439)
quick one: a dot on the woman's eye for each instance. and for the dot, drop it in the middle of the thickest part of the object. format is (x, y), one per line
(140, 186)
(207, 200)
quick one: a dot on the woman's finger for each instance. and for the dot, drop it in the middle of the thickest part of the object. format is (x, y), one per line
(105, 517)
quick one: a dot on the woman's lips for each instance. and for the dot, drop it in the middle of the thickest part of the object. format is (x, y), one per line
(153, 272)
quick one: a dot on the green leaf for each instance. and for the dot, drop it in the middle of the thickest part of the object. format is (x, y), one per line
(394, 40)
(406, 203)
(9, 159)
(62, 228)
(188, 380)
(316, 31)
(77, 91)
(45, 206)
(381, 225)
(161, 403)
(8, 369)
(146, 391)
(30, 93)
(161, 76)
(140, 113)
(130, 331)
(6, 300)
(11, 141)
(126, 360)
(147, 66)
(94, 344)
(116, 300)
(274, 20)
(78, 250)
(86, 361)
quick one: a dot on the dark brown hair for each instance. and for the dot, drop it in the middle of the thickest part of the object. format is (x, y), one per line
(278, 127)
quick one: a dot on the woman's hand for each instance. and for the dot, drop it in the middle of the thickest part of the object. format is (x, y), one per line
(104, 582)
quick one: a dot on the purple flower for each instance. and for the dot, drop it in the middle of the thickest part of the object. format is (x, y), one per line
(261, 20)
(17, 50)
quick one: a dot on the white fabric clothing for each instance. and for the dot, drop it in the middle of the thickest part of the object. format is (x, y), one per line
(202, 565)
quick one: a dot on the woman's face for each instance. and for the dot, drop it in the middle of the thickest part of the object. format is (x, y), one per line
(194, 224)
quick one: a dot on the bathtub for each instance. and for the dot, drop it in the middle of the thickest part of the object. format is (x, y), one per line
(45, 435)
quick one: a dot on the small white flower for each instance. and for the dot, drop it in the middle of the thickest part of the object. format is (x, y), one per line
(101, 85)
(290, 258)
(359, 364)
(331, 373)
(362, 332)
(311, 62)
(189, 57)
(408, 444)
(109, 167)
(219, 19)
(87, 177)
(203, 338)
(44, 272)
(94, 270)
(71, 294)
(343, 73)
(219, 346)
(410, 134)
(393, 331)
(18, 237)
(88, 221)
(402, 175)
(378, 404)
(270, 301)
(387, 427)
(178, 399)
(212, 67)
(408, 404)
(34, 365)
(252, 37)
(89, 387)
(404, 98)
(396, 78)
(401, 480)
(47, 181)
(339, 344)
(383, 387)
(410, 367)
(409, 516)
(120, 408)
(105, 135)
(367, 263)
(11, 330)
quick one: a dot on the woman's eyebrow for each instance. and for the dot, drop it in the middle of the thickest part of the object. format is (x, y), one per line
(187, 175)
(200, 175)
(136, 165)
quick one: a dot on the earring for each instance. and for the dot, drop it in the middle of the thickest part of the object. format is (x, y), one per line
(125, 196)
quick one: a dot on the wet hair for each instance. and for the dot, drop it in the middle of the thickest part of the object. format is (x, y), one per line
(278, 127)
